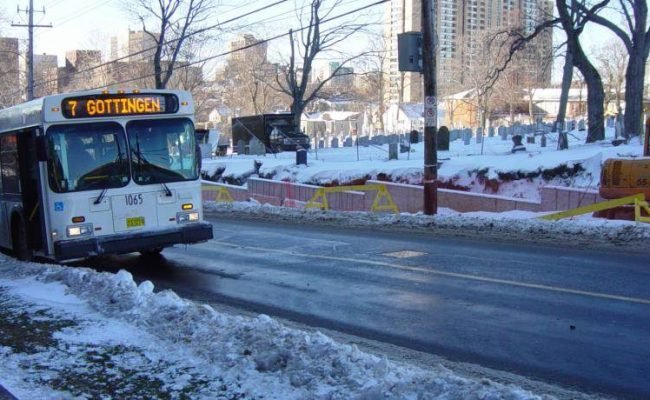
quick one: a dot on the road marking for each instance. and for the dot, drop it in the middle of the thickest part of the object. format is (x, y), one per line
(443, 273)
(404, 254)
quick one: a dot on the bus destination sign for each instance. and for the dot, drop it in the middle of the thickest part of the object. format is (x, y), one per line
(111, 105)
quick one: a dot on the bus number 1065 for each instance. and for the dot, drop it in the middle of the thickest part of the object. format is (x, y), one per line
(133, 199)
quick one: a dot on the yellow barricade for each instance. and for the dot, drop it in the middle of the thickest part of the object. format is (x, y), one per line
(223, 194)
(638, 200)
(638, 205)
(319, 200)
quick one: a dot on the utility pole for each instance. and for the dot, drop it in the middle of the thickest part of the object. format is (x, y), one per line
(30, 46)
(430, 110)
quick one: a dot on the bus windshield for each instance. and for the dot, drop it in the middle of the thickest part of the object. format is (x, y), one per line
(162, 150)
(87, 157)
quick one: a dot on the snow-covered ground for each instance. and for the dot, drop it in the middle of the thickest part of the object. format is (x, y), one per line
(73, 333)
(463, 165)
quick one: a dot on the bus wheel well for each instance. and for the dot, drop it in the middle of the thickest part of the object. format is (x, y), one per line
(19, 237)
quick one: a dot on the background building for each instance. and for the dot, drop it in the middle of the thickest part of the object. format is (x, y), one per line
(342, 79)
(461, 26)
(248, 48)
(141, 46)
(45, 74)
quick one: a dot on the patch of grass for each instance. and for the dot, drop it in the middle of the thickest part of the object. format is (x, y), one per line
(97, 371)
(27, 332)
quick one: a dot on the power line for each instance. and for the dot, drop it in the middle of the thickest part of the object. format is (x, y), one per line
(186, 65)
(260, 42)
(167, 42)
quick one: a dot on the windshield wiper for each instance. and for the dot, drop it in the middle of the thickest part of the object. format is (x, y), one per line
(168, 192)
(101, 196)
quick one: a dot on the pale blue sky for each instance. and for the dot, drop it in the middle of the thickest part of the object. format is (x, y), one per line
(89, 24)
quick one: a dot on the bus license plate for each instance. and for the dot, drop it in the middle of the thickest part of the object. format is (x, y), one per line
(134, 222)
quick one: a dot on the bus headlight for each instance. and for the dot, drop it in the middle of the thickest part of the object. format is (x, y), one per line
(183, 218)
(79, 230)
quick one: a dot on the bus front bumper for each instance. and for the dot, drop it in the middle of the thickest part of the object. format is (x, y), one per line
(136, 241)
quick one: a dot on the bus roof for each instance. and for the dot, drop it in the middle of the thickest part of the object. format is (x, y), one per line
(47, 109)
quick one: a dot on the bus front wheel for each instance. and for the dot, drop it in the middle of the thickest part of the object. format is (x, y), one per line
(22, 250)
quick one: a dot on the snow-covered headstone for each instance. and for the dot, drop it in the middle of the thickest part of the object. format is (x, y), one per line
(334, 143)
(581, 125)
(479, 134)
(256, 147)
(491, 131)
(348, 142)
(241, 146)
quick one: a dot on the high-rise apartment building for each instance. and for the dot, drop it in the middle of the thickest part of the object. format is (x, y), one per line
(80, 71)
(343, 78)
(461, 26)
(45, 74)
(141, 46)
(248, 48)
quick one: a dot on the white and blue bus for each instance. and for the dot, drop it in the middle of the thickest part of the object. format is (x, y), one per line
(100, 172)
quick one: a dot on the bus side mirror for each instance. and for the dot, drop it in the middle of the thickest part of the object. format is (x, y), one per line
(41, 148)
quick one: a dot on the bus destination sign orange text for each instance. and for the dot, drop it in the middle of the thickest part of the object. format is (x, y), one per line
(116, 105)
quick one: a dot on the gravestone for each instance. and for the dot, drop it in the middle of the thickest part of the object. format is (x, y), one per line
(516, 144)
(334, 143)
(392, 151)
(581, 125)
(241, 147)
(530, 139)
(321, 144)
(491, 131)
(467, 136)
(503, 133)
(301, 156)
(256, 147)
(413, 136)
(570, 125)
(443, 139)
(542, 140)
(479, 135)
(347, 142)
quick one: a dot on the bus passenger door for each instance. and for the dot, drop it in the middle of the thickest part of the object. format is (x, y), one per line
(30, 187)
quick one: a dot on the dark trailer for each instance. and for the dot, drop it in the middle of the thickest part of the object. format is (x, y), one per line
(278, 132)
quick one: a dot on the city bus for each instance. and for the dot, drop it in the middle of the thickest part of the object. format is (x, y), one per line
(100, 172)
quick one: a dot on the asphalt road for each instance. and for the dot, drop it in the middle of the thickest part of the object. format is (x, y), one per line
(567, 316)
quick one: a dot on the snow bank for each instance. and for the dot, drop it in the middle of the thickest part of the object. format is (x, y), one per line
(251, 357)
(513, 225)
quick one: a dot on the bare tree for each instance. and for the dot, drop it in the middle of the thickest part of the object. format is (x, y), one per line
(310, 42)
(486, 54)
(612, 62)
(567, 78)
(635, 35)
(375, 79)
(168, 24)
(573, 24)
(10, 91)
